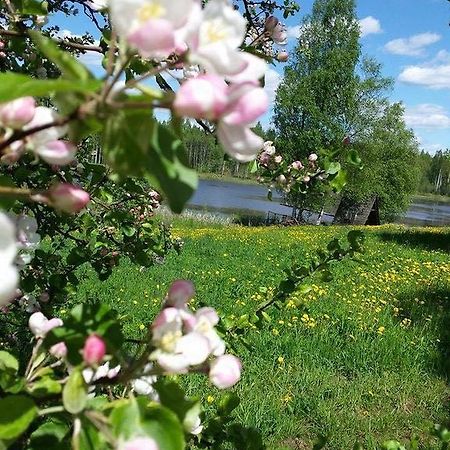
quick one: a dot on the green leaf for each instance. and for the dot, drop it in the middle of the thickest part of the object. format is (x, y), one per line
(16, 414)
(9, 366)
(228, 403)
(15, 85)
(172, 396)
(135, 144)
(75, 392)
(70, 67)
(50, 436)
(31, 7)
(44, 387)
(353, 158)
(138, 417)
(339, 181)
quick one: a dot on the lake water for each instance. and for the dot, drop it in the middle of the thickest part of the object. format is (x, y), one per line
(230, 198)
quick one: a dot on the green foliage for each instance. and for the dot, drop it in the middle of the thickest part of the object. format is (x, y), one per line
(75, 393)
(136, 417)
(135, 144)
(14, 85)
(16, 414)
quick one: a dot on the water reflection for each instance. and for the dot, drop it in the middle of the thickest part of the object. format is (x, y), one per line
(231, 198)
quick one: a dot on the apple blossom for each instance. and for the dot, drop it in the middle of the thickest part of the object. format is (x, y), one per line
(225, 371)
(8, 250)
(246, 103)
(144, 384)
(139, 443)
(154, 27)
(177, 350)
(270, 23)
(206, 319)
(58, 350)
(94, 350)
(103, 371)
(40, 325)
(68, 198)
(57, 152)
(44, 116)
(180, 292)
(255, 69)
(279, 34)
(194, 427)
(17, 113)
(297, 165)
(216, 41)
(239, 141)
(204, 97)
(312, 157)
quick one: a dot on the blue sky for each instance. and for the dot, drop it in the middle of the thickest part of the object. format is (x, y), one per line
(411, 38)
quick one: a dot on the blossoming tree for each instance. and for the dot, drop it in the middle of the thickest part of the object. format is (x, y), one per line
(82, 387)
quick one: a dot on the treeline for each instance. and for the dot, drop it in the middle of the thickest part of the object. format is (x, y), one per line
(435, 173)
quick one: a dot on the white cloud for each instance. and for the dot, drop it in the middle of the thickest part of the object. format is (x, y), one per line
(92, 59)
(294, 32)
(427, 116)
(412, 46)
(369, 25)
(273, 80)
(430, 76)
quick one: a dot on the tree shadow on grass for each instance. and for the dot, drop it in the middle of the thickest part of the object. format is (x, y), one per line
(428, 240)
(431, 308)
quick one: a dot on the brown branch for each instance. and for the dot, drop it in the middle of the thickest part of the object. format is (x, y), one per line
(75, 45)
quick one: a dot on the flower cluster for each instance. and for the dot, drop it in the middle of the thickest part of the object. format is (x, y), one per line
(186, 341)
(279, 174)
(206, 41)
(23, 115)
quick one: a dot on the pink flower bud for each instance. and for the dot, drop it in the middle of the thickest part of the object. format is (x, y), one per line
(204, 97)
(279, 34)
(180, 292)
(281, 179)
(225, 371)
(68, 198)
(94, 350)
(17, 113)
(155, 38)
(297, 165)
(2, 45)
(247, 102)
(57, 152)
(40, 325)
(140, 443)
(271, 23)
(283, 56)
(346, 140)
(58, 350)
(312, 157)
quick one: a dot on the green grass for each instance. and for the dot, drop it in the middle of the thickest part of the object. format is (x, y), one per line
(432, 198)
(367, 359)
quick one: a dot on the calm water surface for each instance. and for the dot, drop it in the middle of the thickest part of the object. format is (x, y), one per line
(231, 198)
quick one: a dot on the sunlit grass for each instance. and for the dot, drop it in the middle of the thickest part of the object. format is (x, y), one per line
(366, 357)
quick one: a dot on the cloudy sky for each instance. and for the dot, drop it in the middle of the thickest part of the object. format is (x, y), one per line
(411, 38)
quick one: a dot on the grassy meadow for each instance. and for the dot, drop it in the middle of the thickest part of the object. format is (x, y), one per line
(366, 359)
